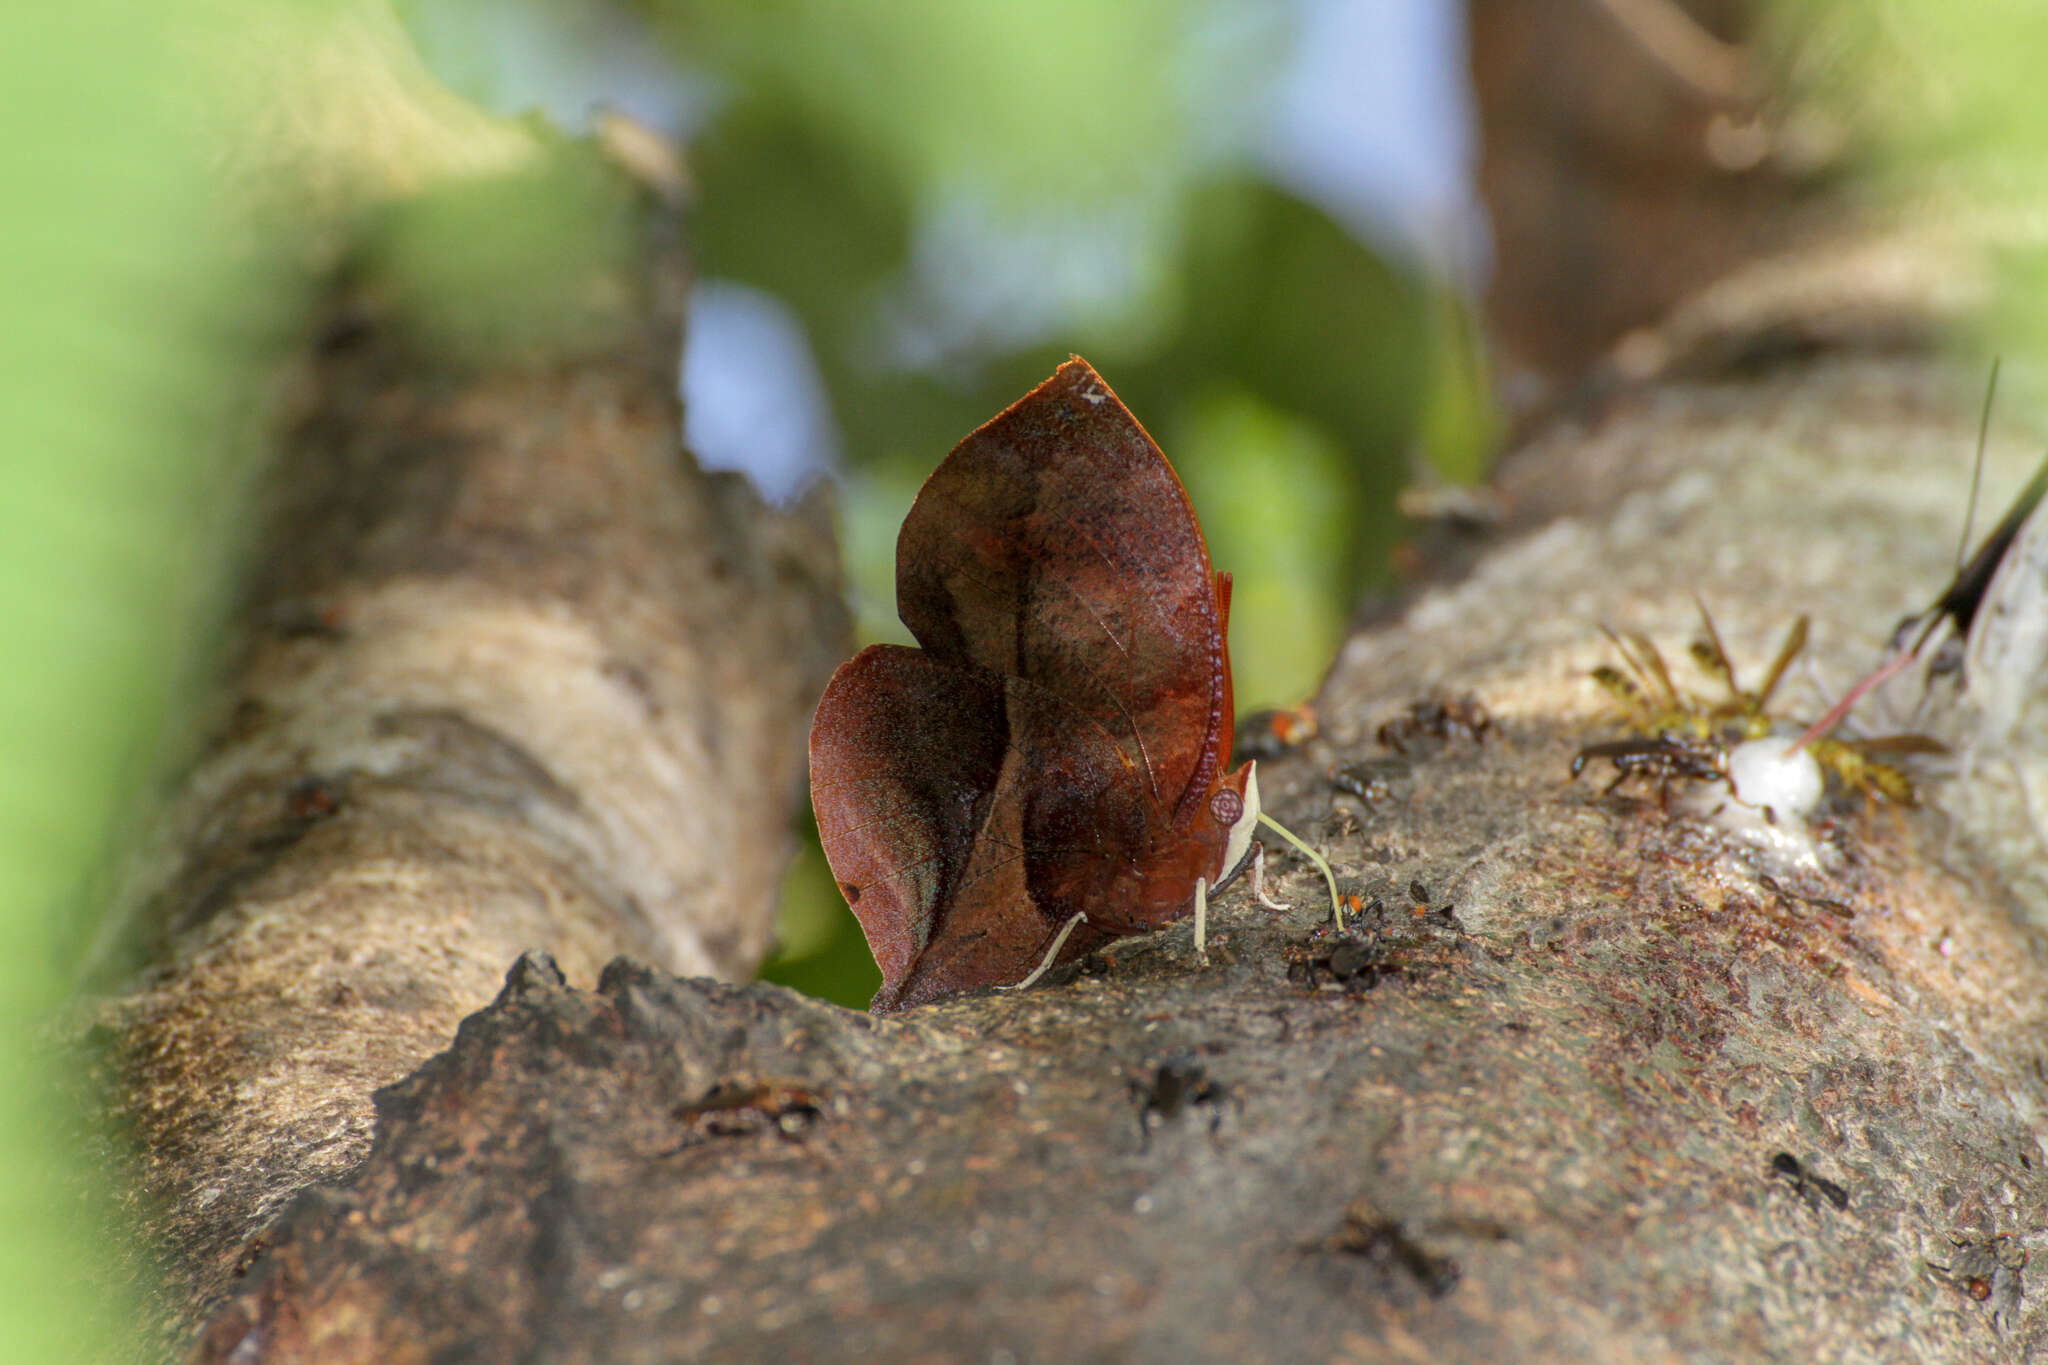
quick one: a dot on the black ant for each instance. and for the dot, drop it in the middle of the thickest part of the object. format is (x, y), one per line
(1670, 754)
(1443, 720)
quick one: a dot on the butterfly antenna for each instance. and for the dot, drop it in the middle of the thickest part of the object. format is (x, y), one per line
(1329, 877)
(1977, 470)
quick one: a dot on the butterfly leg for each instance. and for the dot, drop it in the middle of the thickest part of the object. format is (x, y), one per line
(1202, 899)
(1322, 864)
(1259, 879)
(1059, 941)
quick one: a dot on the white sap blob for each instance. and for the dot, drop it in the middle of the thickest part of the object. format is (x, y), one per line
(1772, 790)
(1769, 772)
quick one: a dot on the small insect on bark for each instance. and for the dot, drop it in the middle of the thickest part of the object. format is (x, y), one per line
(1662, 758)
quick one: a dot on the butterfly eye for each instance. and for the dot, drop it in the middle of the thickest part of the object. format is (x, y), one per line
(1226, 807)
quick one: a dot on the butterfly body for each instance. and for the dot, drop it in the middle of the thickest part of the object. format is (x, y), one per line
(1058, 745)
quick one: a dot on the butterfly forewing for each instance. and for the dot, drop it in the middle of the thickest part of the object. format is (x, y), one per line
(1055, 544)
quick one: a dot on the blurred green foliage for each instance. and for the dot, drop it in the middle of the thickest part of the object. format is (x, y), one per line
(1049, 101)
(504, 264)
(1287, 595)
(133, 307)
(1943, 113)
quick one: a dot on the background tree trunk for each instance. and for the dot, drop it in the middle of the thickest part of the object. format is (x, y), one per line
(516, 675)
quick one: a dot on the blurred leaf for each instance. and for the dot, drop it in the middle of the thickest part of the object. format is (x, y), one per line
(811, 906)
(801, 210)
(190, 168)
(1027, 97)
(136, 315)
(514, 263)
(313, 110)
(1262, 480)
(872, 512)
(1458, 429)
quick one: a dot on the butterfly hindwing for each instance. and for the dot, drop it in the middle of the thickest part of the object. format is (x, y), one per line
(921, 804)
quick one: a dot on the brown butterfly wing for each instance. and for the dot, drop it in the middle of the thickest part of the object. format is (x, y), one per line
(1054, 747)
(920, 799)
(1056, 545)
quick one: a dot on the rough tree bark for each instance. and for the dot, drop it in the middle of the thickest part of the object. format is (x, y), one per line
(1590, 1082)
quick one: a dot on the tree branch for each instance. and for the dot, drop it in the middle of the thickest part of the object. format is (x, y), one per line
(1591, 1081)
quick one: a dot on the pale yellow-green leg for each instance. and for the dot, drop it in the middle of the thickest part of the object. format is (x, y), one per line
(1045, 964)
(1259, 880)
(1329, 878)
(1202, 918)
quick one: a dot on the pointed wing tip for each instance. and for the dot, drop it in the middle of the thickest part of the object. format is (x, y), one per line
(1076, 375)
(1080, 388)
